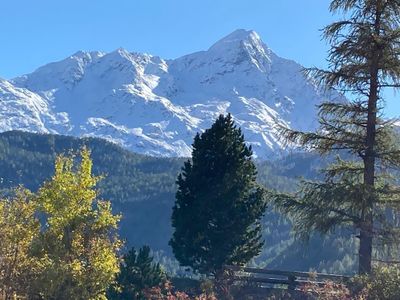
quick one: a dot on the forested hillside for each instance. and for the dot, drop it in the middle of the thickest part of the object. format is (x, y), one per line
(142, 188)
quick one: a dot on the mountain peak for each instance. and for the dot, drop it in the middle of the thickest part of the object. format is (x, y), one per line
(88, 55)
(238, 37)
(242, 34)
(243, 47)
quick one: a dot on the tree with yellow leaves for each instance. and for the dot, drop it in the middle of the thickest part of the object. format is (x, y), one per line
(18, 228)
(78, 243)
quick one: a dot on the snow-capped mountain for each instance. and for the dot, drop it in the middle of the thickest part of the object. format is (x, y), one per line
(156, 106)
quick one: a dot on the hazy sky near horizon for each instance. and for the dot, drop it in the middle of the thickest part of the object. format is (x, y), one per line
(38, 32)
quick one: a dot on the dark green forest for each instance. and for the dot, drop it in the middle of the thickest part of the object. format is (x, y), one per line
(143, 188)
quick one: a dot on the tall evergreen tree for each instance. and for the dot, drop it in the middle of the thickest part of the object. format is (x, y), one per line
(364, 59)
(218, 205)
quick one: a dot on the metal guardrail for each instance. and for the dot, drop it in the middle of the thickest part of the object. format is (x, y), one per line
(267, 278)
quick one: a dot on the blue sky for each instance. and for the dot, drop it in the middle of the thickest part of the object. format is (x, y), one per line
(40, 31)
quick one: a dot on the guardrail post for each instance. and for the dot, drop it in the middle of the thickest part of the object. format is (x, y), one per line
(292, 282)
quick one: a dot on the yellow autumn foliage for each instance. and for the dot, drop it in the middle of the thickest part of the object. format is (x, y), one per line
(18, 228)
(78, 244)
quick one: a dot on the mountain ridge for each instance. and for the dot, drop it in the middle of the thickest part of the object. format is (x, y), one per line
(155, 106)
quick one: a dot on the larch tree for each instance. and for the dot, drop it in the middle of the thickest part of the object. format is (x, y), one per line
(219, 205)
(364, 59)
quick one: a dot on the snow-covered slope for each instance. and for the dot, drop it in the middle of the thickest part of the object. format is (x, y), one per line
(155, 106)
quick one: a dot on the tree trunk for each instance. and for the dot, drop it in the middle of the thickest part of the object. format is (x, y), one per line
(365, 250)
(223, 284)
(366, 228)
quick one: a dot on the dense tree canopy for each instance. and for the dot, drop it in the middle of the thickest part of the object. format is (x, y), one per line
(218, 205)
(78, 242)
(19, 227)
(149, 190)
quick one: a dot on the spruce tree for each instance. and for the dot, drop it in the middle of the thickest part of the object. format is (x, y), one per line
(216, 217)
(363, 60)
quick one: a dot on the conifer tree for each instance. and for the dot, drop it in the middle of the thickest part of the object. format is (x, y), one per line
(138, 273)
(78, 243)
(364, 59)
(216, 217)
